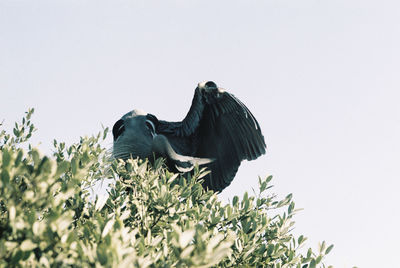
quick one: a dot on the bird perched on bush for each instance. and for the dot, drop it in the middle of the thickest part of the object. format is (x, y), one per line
(218, 132)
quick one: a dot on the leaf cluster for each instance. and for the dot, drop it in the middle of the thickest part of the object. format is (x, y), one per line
(150, 218)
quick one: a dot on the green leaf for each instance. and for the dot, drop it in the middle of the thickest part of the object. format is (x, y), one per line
(105, 131)
(290, 208)
(62, 167)
(246, 204)
(300, 239)
(28, 245)
(18, 158)
(322, 246)
(74, 165)
(309, 253)
(17, 133)
(186, 237)
(6, 159)
(101, 255)
(12, 213)
(329, 249)
(16, 257)
(318, 259)
(107, 227)
(235, 201)
(101, 201)
(5, 177)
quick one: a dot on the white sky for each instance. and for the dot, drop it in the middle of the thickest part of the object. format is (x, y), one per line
(321, 77)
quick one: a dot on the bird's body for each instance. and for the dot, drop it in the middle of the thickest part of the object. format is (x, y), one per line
(219, 132)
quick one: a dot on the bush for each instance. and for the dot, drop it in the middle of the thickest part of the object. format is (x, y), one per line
(152, 217)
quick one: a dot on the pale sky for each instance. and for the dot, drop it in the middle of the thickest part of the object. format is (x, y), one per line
(321, 77)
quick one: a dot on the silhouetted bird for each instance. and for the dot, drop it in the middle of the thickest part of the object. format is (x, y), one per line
(219, 132)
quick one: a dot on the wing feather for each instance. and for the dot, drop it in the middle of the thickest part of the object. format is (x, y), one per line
(219, 126)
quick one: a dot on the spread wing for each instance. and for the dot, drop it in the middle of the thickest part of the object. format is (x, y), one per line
(218, 126)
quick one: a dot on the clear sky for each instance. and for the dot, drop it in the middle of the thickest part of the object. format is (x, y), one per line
(321, 77)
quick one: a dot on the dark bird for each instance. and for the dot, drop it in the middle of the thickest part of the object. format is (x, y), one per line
(219, 132)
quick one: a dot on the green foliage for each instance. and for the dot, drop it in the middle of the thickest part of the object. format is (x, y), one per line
(151, 217)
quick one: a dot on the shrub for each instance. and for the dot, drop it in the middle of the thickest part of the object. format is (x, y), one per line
(151, 217)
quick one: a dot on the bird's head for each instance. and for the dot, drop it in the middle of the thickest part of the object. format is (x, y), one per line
(210, 91)
(133, 135)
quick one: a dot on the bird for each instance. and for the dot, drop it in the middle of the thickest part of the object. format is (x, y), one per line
(218, 132)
